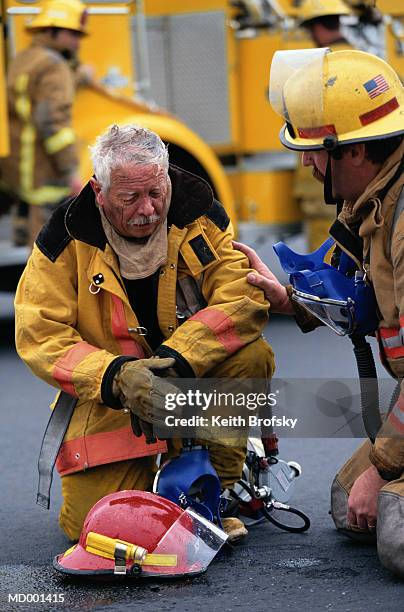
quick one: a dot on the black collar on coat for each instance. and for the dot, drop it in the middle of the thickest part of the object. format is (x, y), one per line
(191, 198)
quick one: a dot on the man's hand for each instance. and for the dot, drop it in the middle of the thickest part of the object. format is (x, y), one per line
(85, 75)
(143, 393)
(362, 501)
(275, 293)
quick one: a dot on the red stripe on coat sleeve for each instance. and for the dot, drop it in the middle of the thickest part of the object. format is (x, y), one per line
(222, 326)
(64, 367)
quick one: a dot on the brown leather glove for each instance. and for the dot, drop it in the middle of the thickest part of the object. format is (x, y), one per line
(140, 427)
(143, 393)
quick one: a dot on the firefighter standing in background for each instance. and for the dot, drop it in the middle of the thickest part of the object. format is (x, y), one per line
(42, 168)
(321, 18)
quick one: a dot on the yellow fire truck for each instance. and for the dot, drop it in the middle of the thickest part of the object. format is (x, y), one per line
(207, 62)
(116, 35)
(109, 49)
(393, 16)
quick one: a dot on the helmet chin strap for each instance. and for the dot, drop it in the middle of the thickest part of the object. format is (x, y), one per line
(328, 195)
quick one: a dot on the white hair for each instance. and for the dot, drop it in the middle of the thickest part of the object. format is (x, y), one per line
(126, 144)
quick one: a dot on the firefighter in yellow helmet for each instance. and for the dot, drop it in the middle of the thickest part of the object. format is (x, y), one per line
(42, 168)
(321, 19)
(345, 112)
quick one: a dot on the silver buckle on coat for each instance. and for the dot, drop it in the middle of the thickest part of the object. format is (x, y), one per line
(141, 331)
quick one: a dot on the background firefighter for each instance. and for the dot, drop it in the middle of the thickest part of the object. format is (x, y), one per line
(42, 168)
(354, 142)
(322, 21)
(96, 313)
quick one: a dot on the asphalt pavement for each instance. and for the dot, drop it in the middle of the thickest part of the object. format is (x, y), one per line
(274, 570)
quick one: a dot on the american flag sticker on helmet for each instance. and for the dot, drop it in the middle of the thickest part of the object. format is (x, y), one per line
(376, 86)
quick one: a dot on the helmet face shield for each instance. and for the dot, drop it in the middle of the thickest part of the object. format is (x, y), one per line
(195, 542)
(284, 68)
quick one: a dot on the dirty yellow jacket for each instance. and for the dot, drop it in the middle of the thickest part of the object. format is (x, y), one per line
(75, 325)
(383, 260)
(43, 155)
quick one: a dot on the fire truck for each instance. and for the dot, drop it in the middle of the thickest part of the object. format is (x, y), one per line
(116, 37)
(197, 73)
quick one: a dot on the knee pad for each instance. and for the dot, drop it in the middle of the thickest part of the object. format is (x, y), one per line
(390, 532)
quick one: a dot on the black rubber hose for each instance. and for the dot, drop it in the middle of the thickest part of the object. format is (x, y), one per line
(394, 397)
(304, 517)
(368, 384)
(269, 517)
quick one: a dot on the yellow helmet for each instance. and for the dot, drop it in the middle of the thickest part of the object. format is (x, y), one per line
(312, 9)
(331, 98)
(66, 14)
(365, 3)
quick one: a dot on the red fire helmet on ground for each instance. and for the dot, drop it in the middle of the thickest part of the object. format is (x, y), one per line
(136, 533)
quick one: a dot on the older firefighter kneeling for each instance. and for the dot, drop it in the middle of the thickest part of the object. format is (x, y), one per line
(345, 111)
(143, 248)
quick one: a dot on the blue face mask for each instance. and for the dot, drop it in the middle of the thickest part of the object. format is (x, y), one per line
(340, 297)
(190, 480)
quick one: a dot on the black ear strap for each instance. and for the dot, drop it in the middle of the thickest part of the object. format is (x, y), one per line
(328, 196)
(349, 240)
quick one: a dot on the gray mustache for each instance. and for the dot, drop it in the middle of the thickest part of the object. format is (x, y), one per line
(143, 220)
